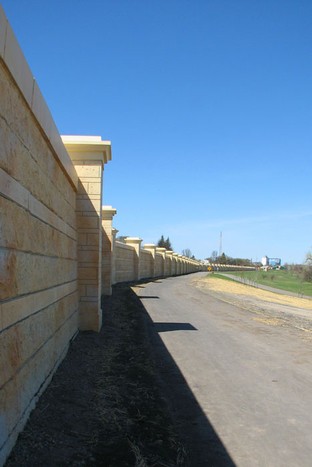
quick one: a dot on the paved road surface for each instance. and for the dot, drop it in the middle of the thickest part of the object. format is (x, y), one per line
(251, 378)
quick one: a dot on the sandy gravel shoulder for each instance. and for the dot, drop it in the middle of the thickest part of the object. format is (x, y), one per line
(294, 310)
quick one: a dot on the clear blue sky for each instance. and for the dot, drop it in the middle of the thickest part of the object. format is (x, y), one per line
(208, 104)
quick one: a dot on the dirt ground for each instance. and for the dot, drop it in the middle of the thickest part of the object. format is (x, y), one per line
(269, 307)
(104, 406)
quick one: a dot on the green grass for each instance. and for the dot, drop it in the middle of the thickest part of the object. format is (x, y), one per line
(285, 280)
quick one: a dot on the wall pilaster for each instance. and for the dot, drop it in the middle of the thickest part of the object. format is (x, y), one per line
(174, 264)
(89, 154)
(168, 271)
(152, 249)
(107, 249)
(135, 242)
(162, 252)
(114, 235)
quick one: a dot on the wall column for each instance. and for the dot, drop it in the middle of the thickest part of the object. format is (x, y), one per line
(89, 154)
(152, 249)
(114, 235)
(107, 249)
(169, 254)
(180, 270)
(135, 242)
(174, 264)
(162, 251)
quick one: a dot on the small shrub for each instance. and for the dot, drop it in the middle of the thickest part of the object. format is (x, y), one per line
(307, 274)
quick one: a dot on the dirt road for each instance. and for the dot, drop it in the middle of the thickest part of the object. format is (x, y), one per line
(245, 359)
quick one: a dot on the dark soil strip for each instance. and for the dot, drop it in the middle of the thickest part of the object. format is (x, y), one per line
(104, 405)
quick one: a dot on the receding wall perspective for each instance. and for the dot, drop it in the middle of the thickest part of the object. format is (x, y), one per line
(50, 239)
(58, 249)
(128, 260)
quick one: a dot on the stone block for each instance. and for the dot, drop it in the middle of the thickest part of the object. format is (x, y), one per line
(88, 205)
(87, 256)
(14, 234)
(87, 273)
(20, 308)
(13, 190)
(92, 291)
(90, 316)
(88, 171)
(95, 188)
(83, 187)
(10, 414)
(93, 239)
(87, 222)
(82, 239)
(4, 138)
(8, 282)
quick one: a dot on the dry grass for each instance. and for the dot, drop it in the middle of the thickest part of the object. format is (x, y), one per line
(237, 289)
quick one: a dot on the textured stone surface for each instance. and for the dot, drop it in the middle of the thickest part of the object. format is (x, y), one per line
(38, 247)
(124, 262)
(146, 264)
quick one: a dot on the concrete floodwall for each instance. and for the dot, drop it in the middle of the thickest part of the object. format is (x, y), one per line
(124, 257)
(159, 265)
(38, 239)
(50, 239)
(128, 261)
(57, 249)
(146, 264)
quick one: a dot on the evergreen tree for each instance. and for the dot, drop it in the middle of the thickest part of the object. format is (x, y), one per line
(164, 243)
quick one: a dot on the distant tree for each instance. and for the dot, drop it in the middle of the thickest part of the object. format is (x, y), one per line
(168, 245)
(187, 252)
(307, 270)
(164, 243)
(161, 242)
(214, 256)
(222, 259)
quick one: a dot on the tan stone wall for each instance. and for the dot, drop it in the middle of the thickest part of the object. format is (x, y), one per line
(89, 244)
(146, 264)
(124, 257)
(159, 265)
(57, 252)
(130, 262)
(38, 243)
(107, 249)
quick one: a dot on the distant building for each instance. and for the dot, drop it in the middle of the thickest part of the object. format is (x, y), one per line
(265, 261)
(272, 262)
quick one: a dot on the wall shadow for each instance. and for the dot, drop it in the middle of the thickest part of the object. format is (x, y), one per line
(148, 296)
(197, 433)
(168, 327)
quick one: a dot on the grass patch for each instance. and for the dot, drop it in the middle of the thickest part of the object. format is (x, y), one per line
(284, 280)
(220, 276)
